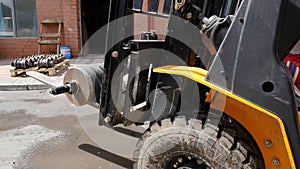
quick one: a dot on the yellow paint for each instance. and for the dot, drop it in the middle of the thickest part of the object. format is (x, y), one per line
(270, 123)
(299, 118)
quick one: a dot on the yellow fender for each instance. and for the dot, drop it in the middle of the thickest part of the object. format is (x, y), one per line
(266, 128)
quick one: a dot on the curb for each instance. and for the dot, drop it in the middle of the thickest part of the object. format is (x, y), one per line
(22, 87)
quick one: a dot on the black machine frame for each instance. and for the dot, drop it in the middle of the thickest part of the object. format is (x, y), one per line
(252, 51)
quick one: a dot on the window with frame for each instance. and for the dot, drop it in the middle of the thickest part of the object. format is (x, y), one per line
(18, 18)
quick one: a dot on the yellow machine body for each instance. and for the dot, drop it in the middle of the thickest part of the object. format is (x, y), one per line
(266, 128)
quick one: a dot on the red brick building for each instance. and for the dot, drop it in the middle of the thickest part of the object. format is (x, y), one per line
(147, 22)
(20, 23)
(18, 44)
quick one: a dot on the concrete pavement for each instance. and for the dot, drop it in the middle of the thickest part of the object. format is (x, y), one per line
(42, 131)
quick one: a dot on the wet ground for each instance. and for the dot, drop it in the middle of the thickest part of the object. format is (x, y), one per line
(40, 131)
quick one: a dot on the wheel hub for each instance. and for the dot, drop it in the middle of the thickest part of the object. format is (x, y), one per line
(186, 160)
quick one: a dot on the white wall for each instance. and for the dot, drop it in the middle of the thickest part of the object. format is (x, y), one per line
(296, 48)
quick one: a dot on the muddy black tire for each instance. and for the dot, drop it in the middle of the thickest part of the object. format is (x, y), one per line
(189, 144)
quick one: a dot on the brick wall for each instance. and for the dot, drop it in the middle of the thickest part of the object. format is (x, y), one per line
(16, 47)
(146, 23)
(66, 10)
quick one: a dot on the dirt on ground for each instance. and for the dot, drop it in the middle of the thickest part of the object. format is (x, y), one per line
(41, 132)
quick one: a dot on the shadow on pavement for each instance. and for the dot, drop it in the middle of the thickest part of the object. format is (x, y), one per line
(116, 159)
(128, 132)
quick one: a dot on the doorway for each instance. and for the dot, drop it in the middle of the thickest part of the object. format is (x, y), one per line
(94, 15)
